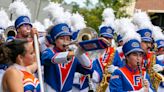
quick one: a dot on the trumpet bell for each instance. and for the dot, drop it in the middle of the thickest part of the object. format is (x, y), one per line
(87, 33)
(10, 31)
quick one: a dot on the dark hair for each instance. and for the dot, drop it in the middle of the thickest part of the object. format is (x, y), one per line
(17, 47)
(5, 55)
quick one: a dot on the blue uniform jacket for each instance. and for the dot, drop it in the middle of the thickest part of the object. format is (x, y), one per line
(97, 66)
(60, 76)
(125, 79)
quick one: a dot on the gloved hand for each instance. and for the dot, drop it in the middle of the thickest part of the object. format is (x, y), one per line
(145, 88)
(160, 57)
(95, 77)
(72, 47)
(77, 77)
(82, 57)
(79, 51)
(157, 68)
(111, 68)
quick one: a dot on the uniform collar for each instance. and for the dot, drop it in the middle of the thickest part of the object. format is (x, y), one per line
(131, 69)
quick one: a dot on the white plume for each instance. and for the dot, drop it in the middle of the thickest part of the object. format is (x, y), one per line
(47, 23)
(119, 23)
(4, 19)
(39, 26)
(77, 22)
(157, 33)
(108, 13)
(127, 30)
(142, 20)
(19, 9)
(55, 13)
(67, 17)
(131, 35)
(108, 18)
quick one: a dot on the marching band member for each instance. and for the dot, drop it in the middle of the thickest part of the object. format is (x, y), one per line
(80, 83)
(103, 61)
(63, 64)
(24, 28)
(107, 32)
(23, 23)
(119, 40)
(150, 62)
(144, 24)
(19, 77)
(131, 77)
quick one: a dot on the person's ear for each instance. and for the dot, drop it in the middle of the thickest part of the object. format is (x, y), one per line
(20, 58)
(18, 30)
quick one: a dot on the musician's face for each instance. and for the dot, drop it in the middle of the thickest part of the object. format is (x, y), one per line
(120, 43)
(109, 39)
(146, 46)
(29, 57)
(160, 51)
(24, 30)
(133, 58)
(60, 41)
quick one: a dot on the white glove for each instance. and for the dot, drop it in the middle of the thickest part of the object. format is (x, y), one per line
(111, 68)
(95, 77)
(160, 57)
(157, 68)
(82, 58)
(72, 47)
(79, 51)
(77, 77)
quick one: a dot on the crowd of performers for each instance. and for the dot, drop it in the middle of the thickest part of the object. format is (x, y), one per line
(133, 64)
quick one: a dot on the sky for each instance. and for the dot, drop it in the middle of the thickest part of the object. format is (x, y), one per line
(80, 2)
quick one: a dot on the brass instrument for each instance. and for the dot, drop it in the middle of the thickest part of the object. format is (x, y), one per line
(155, 78)
(106, 75)
(87, 33)
(10, 31)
